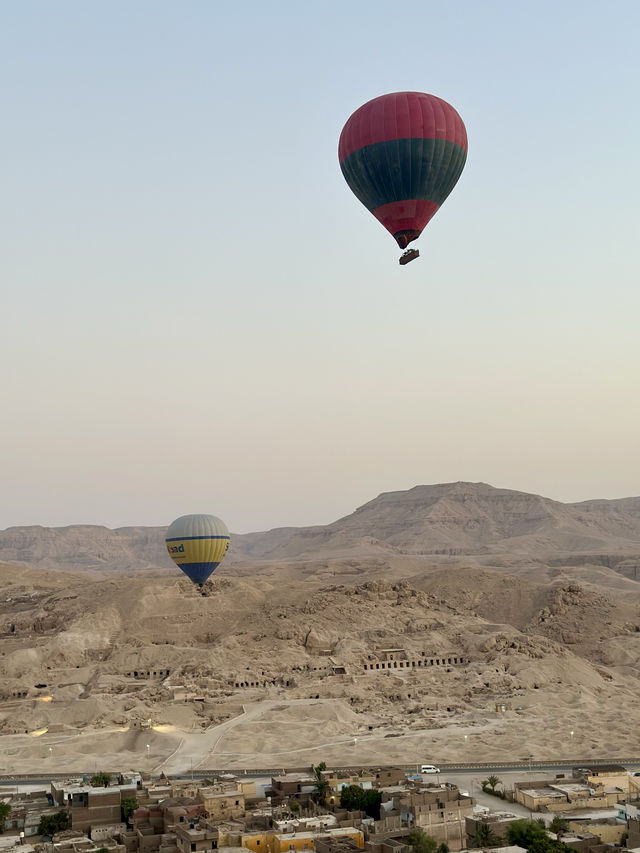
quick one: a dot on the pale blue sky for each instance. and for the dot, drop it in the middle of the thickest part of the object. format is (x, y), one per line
(199, 316)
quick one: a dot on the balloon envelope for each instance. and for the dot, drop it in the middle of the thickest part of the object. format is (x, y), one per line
(401, 155)
(197, 544)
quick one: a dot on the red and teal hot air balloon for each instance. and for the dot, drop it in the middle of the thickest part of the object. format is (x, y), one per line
(401, 155)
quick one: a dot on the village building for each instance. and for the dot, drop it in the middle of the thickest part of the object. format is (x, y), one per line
(72, 841)
(633, 830)
(196, 839)
(180, 810)
(337, 780)
(13, 844)
(283, 842)
(389, 776)
(273, 841)
(498, 822)
(291, 785)
(389, 845)
(26, 811)
(154, 793)
(607, 830)
(88, 806)
(333, 844)
(75, 841)
(222, 805)
(555, 796)
(607, 776)
(317, 823)
(538, 796)
(583, 842)
(437, 810)
(107, 831)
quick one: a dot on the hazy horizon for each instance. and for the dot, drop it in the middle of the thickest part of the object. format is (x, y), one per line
(310, 523)
(200, 316)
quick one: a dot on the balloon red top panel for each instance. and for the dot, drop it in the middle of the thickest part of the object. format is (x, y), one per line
(401, 115)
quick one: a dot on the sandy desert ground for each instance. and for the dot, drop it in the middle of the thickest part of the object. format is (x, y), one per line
(272, 666)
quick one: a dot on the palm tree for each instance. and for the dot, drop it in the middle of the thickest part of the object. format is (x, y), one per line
(558, 824)
(484, 836)
(493, 781)
(322, 786)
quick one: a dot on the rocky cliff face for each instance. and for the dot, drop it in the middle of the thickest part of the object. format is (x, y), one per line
(451, 520)
(422, 658)
(84, 547)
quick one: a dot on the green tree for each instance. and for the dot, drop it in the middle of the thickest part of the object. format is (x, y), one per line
(558, 824)
(322, 786)
(525, 832)
(492, 781)
(353, 798)
(102, 850)
(532, 835)
(443, 848)
(372, 801)
(294, 805)
(319, 769)
(422, 843)
(52, 823)
(127, 807)
(548, 845)
(100, 780)
(484, 836)
(5, 811)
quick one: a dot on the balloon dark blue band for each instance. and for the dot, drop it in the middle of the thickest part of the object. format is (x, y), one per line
(199, 572)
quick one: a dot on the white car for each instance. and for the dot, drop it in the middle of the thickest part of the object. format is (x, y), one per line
(429, 768)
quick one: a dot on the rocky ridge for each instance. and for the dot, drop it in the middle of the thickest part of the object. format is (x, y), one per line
(475, 521)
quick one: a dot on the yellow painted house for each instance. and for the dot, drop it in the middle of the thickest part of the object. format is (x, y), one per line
(284, 842)
(258, 842)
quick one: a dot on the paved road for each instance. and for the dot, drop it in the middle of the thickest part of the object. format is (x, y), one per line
(471, 781)
(200, 749)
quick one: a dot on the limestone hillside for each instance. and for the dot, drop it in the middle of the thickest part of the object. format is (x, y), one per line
(470, 522)
(434, 651)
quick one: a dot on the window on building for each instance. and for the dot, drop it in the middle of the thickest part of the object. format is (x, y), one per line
(193, 846)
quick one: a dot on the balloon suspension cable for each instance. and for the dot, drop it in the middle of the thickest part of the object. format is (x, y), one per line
(409, 255)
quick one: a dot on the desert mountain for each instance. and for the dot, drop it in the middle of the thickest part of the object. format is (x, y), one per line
(414, 618)
(474, 521)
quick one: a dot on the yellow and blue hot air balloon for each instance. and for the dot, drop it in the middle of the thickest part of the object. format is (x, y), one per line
(197, 544)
